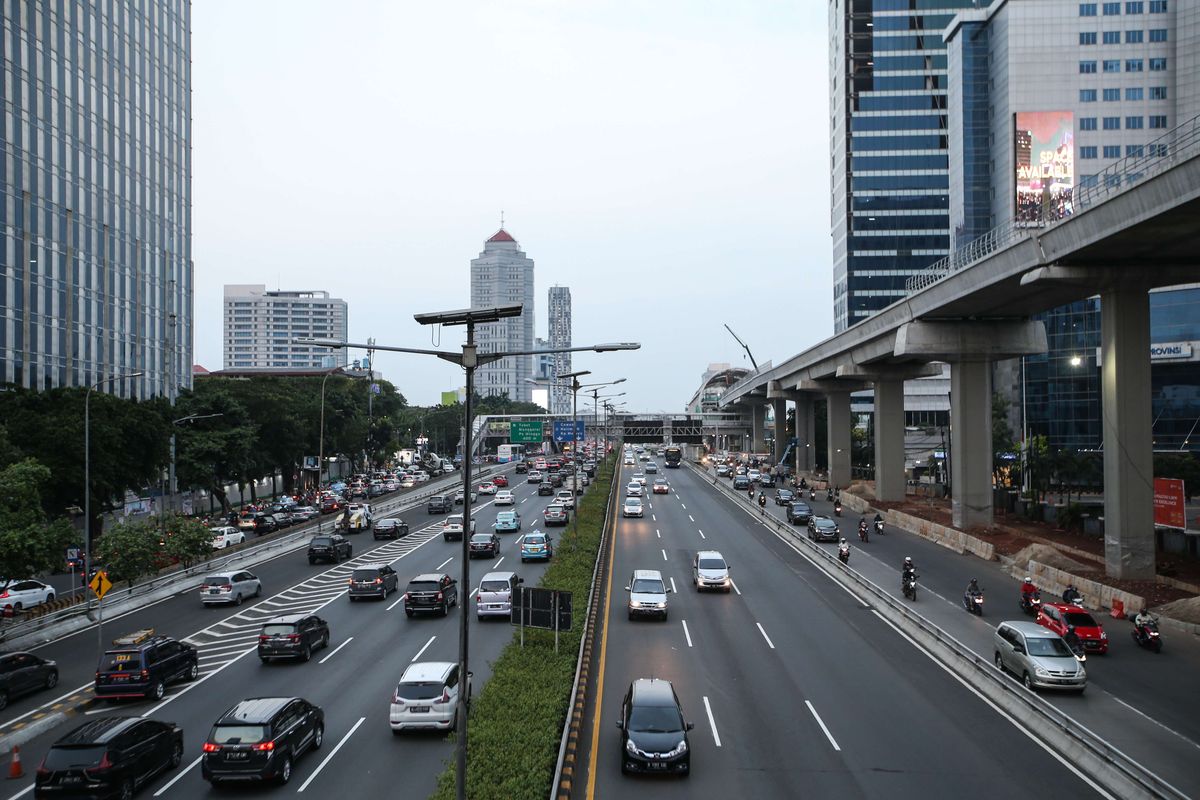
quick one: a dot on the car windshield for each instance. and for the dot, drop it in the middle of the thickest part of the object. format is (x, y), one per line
(74, 757)
(419, 691)
(422, 586)
(1045, 646)
(1079, 620)
(321, 541)
(366, 574)
(506, 516)
(278, 630)
(494, 586)
(655, 719)
(238, 734)
(455, 520)
(482, 538)
(122, 661)
(826, 524)
(633, 501)
(648, 586)
(216, 580)
(711, 563)
(802, 507)
(386, 523)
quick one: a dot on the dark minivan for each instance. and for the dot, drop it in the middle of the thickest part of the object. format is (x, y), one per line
(108, 757)
(434, 592)
(653, 732)
(142, 664)
(373, 580)
(331, 547)
(441, 504)
(292, 636)
(259, 739)
(24, 673)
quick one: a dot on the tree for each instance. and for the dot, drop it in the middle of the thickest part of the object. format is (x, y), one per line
(187, 540)
(131, 551)
(30, 544)
(1003, 441)
(1184, 466)
(211, 452)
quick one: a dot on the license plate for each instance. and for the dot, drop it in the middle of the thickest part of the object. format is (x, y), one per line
(657, 765)
(235, 756)
(419, 709)
(72, 779)
(214, 591)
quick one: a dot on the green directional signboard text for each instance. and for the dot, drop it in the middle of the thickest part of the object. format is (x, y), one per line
(525, 431)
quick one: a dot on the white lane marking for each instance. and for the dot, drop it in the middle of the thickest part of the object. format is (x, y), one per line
(423, 649)
(673, 589)
(733, 583)
(686, 633)
(398, 602)
(444, 563)
(187, 688)
(332, 753)
(702, 536)
(658, 533)
(693, 519)
(1152, 719)
(179, 775)
(681, 505)
(821, 722)
(335, 650)
(496, 563)
(712, 722)
(664, 552)
(1033, 737)
(523, 499)
(768, 638)
(653, 518)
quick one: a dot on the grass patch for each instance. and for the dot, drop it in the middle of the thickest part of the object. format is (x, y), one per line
(516, 721)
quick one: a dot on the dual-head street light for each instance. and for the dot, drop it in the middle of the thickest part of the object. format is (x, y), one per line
(469, 359)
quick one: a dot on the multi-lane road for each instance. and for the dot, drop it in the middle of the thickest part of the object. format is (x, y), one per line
(794, 685)
(371, 644)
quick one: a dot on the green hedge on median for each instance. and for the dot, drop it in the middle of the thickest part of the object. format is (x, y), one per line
(516, 721)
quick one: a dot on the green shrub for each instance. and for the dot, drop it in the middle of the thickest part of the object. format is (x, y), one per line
(516, 721)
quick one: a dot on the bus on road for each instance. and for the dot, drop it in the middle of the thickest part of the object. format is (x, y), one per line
(673, 455)
(507, 453)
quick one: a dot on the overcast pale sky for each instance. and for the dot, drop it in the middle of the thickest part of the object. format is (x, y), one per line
(666, 159)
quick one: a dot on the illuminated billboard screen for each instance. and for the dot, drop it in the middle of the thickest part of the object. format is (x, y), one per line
(1044, 147)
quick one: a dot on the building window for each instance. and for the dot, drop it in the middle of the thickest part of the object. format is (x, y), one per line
(1158, 121)
(1133, 93)
(1158, 6)
(1135, 7)
(1087, 9)
(1158, 93)
(1133, 37)
(1158, 34)
(1111, 9)
(1112, 95)
(1087, 37)
(1112, 37)
(1112, 123)
(1133, 123)
(1112, 65)
(1112, 151)
(1087, 123)
(1087, 95)
(1087, 152)
(1087, 67)
(1134, 64)
(1087, 181)
(1158, 65)
(1133, 150)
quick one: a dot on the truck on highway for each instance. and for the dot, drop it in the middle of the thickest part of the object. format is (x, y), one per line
(673, 456)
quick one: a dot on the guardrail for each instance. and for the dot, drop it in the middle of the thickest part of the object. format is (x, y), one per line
(244, 555)
(1107, 764)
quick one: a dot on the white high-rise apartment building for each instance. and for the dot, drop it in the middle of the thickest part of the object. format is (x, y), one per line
(503, 275)
(260, 326)
(559, 313)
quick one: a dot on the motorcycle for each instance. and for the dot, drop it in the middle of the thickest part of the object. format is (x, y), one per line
(1147, 636)
(1072, 597)
(879, 527)
(862, 532)
(762, 500)
(844, 553)
(837, 508)
(829, 496)
(908, 582)
(973, 602)
(812, 494)
(1031, 604)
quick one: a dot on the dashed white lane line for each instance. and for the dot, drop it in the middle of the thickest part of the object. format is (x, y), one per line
(658, 533)
(653, 518)
(733, 583)
(681, 505)
(693, 519)
(702, 536)
(335, 650)
(332, 753)
(179, 775)
(712, 722)
(764, 633)
(444, 563)
(423, 649)
(664, 552)
(686, 633)
(821, 722)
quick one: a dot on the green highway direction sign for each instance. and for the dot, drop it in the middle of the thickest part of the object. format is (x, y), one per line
(525, 431)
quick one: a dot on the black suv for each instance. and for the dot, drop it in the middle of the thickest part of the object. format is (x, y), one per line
(441, 504)
(109, 757)
(390, 529)
(292, 636)
(546, 488)
(23, 673)
(484, 544)
(653, 734)
(260, 738)
(799, 513)
(433, 591)
(555, 478)
(265, 523)
(142, 664)
(522, 468)
(373, 580)
(329, 547)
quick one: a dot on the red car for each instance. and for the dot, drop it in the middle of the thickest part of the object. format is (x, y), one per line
(1057, 616)
(500, 480)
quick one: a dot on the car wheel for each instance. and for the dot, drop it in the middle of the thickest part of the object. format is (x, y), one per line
(237, 601)
(325, 640)
(285, 771)
(631, 616)
(17, 607)
(258, 591)
(126, 789)
(408, 613)
(999, 661)
(306, 653)
(352, 597)
(52, 679)
(445, 608)
(264, 660)
(50, 598)
(3, 700)
(318, 737)
(176, 755)
(312, 561)
(158, 690)
(1028, 681)
(192, 672)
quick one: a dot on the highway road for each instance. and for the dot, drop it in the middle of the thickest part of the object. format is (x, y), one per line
(794, 686)
(372, 643)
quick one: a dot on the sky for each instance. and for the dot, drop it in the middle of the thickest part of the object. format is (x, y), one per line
(666, 160)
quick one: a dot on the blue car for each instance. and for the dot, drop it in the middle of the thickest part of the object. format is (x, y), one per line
(536, 546)
(507, 521)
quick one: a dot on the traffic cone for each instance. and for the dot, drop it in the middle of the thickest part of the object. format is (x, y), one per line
(15, 770)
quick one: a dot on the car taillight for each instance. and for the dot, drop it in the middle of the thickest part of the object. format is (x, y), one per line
(439, 596)
(104, 765)
(41, 770)
(293, 637)
(446, 695)
(4, 595)
(227, 588)
(209, 747)
(204, 587)
(145, 674)
(264, 746)
(407, 596)
(262, 637)
(478, 598)
(379, 580)
(396, 700)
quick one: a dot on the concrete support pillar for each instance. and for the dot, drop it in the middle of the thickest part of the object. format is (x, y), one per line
(806, 455)
(839, 437)
(758, 425)
(1128, 446)
(779, 406)
(971, 443)
(889, 440)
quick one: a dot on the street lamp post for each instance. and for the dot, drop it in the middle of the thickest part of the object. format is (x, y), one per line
(321, 443)
(469, 359)
(171, 487)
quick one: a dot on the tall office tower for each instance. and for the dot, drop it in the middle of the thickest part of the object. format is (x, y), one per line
(888, 159)
(503, 275)
(95, 221)
(260, 327)
(1044, 95)
(559, 312)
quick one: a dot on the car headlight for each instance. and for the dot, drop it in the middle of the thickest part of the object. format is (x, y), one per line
(661, 605)
(679, 750)
(1103, 635)
(629, 747)
(1041, 673)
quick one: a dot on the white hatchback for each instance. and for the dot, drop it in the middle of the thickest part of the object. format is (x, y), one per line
(633, 490)
(504, 498)
(426, 697)
(25, 594)
(226, 536)
(229, 587)
(487, 487)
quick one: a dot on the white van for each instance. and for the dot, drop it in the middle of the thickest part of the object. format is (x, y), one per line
(495, 595)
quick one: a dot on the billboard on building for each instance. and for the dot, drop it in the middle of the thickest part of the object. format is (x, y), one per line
(449, 398)
(1169, 503)
(1044, 154)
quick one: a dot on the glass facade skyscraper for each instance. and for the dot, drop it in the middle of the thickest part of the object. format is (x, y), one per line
(503, 275)
(559, 316)
(95, 218)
